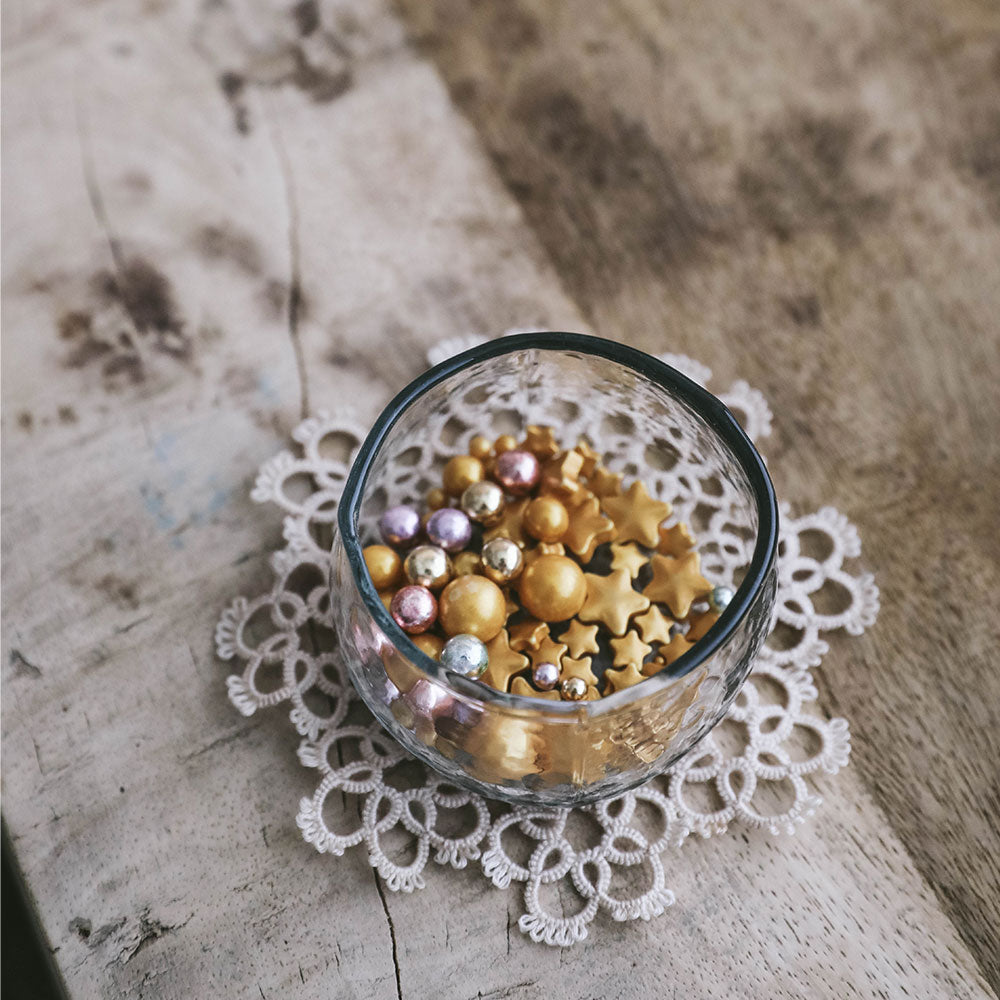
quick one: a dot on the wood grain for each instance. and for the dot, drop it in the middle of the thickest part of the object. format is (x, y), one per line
(219, 215)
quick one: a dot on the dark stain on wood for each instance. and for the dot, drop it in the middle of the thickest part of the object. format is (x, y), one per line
(804, 310)
(25, 421)
(320, 84)
(978, 154)
(803, 177)
(224, 243)
(233, 85)
(306, 17)
(121, 591)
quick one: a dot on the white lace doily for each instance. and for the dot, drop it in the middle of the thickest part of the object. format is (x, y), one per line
(751, 769)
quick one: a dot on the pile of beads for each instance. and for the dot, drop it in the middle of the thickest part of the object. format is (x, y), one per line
(534, 571)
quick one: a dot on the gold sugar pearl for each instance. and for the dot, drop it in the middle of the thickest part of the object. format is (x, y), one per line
(428, 643)
(436, 498)
(460, 472)
(553, 588)
(465, 563)
(573, 689)
(546, 519)
(472, 605)
(480, 447)
(506, 442)
(385, 566)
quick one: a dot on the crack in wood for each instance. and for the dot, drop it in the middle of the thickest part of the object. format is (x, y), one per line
(392, 934)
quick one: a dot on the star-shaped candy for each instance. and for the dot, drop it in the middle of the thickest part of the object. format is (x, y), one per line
(654, 625)
(511, 525)
(700, 625)
(504, 662)
(604, 483)
(580, 638)
(548, 651)
(561, 474)
(520, 686)
(618, 680)
(667, 653)
(540, 441)
(528, 634)
(611, 600)
(543, 549)
(572, 667)
(627, 557)
(636, 515)
(630, 649)
(588, 527)
(589, 456)
(675, 541)
(677, 582)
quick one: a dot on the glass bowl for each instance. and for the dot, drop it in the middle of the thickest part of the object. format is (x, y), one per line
(647, 421)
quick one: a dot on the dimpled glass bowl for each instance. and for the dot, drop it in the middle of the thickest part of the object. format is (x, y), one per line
(647, 421)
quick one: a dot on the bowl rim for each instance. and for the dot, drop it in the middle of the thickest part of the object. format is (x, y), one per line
(709, 407)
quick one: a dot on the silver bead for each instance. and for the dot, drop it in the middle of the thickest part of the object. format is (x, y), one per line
(545, 676)
(680, 628)
(483, 502)
(466, 655)
(428, 566)
(721, 596)
(573, 688)
(502, 560)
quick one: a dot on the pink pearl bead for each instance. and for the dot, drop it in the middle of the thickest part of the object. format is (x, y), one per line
(518, 472)
(414, 609)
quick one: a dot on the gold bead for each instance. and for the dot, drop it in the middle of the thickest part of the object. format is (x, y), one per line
(428, 643)
(553, 588)
(480, 447)
(473, 605)
(483, 502)
(546, 519)
(506, 442)
(436, 498)
(465, 563)
(573, 688)
(460, 472)
(386, 596)
(502, 560)
(385, 566)
(428, 566)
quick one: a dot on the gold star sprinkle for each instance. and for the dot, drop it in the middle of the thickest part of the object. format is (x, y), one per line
(604, 483)
(589, 456)
(572, 667)
(541, 441)
(654, 625)
(618, 680)
(675, 541)
(611, 600)
(504, 662)
(520, 686)
(510, 606)
(528, 634)
(588, 527)
(560, 475)
(548, 651)
(700, 626)
(580, 638)
(673, 650)
(636, 515)
(511, 524)
(677, 582)
(627, 557)
(630, 650)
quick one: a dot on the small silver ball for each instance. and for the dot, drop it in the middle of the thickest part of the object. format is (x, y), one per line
(680, 628)
(721, 596)
(573, 688)
(466, 655)
(483, 502)
(502, 560)
(428, 566)
(545, 676)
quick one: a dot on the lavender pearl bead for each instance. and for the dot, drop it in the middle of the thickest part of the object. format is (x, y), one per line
(545, 676)
(517, 472)
(449, 528)
(414, 609)
(399, 525)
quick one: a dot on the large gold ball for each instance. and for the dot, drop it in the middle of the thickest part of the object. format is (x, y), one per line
(483, 502)
(460, 472)
(546, 519)
(480, 447)
(385, 566)
(502, 560)
(552, 588)
(473, 605)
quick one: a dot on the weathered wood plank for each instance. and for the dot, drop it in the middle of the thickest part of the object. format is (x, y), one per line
(809, 199)
(210, 213)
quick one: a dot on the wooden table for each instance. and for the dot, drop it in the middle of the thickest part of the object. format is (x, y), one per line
(220, 215)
